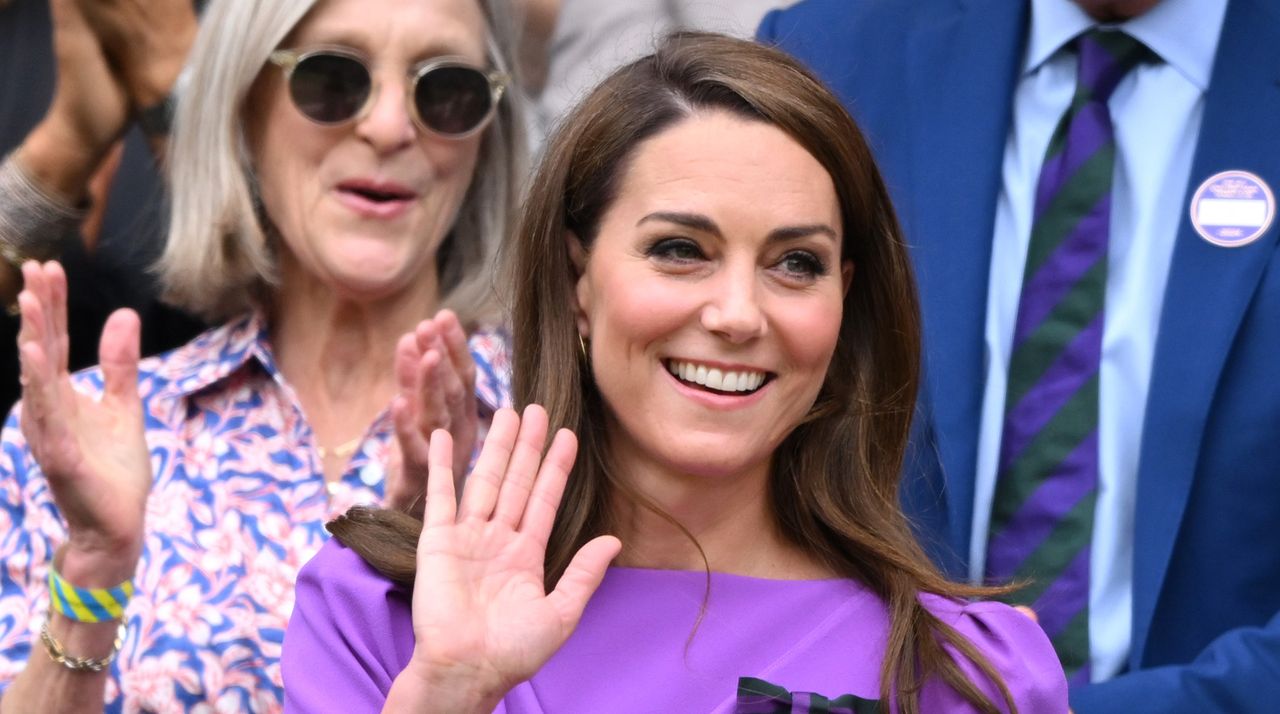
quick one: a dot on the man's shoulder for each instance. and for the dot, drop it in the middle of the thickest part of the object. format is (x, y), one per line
(846, 21)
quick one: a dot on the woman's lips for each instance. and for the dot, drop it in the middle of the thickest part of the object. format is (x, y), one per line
(375, 199)
(718, 400)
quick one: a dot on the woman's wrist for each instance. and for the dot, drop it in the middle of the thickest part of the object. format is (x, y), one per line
(97, 567)
(60, 160)
(422, 688)
(36, 221)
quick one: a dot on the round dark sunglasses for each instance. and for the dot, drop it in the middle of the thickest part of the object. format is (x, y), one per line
(447, 96)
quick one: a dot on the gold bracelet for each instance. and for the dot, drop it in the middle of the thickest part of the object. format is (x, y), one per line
(79, 664)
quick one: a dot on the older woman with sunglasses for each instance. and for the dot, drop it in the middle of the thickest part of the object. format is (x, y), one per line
(342, 173)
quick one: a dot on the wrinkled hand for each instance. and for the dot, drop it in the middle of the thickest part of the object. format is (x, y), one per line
(436, 378)
(147, 39)
(92, 451)
(482, 620)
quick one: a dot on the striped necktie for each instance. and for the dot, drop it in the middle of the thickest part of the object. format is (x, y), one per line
(1046, 485)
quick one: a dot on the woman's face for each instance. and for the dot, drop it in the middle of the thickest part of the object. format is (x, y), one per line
(712, 296)
(364, 206)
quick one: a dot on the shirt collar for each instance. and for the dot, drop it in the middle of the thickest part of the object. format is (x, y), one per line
(1183, 32)
(218, 353)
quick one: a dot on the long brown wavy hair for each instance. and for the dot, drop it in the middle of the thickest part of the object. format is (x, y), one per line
(834, 486)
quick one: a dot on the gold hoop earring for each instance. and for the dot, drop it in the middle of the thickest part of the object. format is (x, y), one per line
(582, 349)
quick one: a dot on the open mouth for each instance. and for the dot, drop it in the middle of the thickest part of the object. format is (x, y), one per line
(716, 380)
(376, 194)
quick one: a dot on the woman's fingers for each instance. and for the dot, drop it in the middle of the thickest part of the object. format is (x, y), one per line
(39, 281)
(31, 329)
(118, 354)
(56, 279)
(35, 393)
(36, 317)
(454, 339)
(441, 508)
(406, 364)
(544, 499)
(433, 409)
(38, 376)
(450, 387)
(48, 407)
(581, 579)
(525, 460)
(47, 283)
(481, 491)
(414, 445)
(409, 462)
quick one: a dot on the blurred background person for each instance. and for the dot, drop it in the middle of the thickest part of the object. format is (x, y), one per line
(1100, 415)
(712, 293)
(84, 89)
(341, 180)
(591, 38)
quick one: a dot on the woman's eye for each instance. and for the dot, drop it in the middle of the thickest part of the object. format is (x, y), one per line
(676, 250)
(802, 264)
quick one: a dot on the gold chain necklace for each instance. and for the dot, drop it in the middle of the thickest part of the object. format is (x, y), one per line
(341, 451)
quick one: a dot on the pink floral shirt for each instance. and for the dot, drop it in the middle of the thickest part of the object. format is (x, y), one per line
(238, 505)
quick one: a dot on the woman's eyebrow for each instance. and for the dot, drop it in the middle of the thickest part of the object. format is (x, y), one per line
(693, 221)
(699, 222)
(790, 233)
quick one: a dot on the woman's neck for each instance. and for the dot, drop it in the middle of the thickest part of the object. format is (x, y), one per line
(729, 516)
(338, 353)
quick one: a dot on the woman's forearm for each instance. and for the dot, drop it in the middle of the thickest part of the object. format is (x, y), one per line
(67, 670)
(48, 686)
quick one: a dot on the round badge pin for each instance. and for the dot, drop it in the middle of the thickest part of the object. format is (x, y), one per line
(1233, 208)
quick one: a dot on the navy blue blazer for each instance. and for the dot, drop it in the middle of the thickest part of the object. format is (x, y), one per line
(931, 82)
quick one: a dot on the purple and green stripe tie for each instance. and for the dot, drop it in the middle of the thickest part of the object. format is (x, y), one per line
(1046, 487)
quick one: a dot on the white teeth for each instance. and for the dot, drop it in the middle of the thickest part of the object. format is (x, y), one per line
(716, 379)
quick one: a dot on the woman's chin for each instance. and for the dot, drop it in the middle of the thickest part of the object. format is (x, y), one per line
(368, 275)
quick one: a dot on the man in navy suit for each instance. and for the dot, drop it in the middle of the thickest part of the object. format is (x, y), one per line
(959, 99)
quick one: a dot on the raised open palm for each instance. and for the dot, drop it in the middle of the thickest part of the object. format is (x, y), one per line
(91, 450)
(482, 619)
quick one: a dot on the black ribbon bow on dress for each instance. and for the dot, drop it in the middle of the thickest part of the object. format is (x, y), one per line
(756, 696)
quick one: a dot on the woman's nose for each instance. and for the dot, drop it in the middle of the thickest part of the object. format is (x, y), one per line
(387, 125)
(733, 309)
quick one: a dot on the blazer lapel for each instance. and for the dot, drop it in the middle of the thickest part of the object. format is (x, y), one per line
(963, 68)
(1208, 293)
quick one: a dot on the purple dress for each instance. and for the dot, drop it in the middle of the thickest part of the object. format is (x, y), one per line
(762, 646)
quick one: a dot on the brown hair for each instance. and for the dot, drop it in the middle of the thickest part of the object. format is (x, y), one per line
(834, 488)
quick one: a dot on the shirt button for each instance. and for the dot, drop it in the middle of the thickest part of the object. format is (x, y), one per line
(372, 474)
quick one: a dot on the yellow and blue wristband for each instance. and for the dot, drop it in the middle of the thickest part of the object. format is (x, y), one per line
(88, 604)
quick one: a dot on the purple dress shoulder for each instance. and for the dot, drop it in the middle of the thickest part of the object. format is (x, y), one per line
(761, 646)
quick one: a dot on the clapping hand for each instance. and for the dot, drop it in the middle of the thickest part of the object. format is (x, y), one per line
(92, 450)
(436, 380)
(482, 618)
(147, 40)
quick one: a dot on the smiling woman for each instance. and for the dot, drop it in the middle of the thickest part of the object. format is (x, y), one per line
(720, 256)
(342, 174)
(712, 293)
